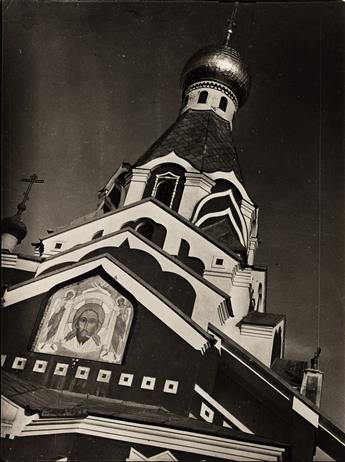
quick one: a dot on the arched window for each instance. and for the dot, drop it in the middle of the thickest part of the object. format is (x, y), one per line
(203, 97)
(223, 104)
(145, 228)
(166, 184)
(164, 191)
(165, 188)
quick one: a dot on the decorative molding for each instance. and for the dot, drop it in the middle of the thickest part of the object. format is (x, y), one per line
(165, 456)
(214, 86)
(148, 383)
(171, 386)
(172, 158)
(19, 363)
(61, 369)
(251, 330)
(103, 376)
(82, 373)
(40, 366)
(10, 260)
(206, 413)
(231, 176)
(157, 436)
(241, 277)
(126, 379)
(13, 418)
(166, 176)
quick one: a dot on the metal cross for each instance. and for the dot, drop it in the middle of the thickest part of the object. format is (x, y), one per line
(33, 179)
(231, 24)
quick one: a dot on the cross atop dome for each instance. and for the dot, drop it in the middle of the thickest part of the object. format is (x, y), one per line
(231, 25)
(13, 229)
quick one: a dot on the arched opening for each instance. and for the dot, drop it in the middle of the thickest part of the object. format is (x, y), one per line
(165, 190)
(148, 228)
(277, 345)
(223, 104)
(203, 97)
(145, 228)
(184, 249)
(166, 184)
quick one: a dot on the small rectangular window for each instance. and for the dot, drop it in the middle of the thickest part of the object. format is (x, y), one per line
(58, 245)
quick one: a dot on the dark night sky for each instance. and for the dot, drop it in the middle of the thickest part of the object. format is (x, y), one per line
(89, 84)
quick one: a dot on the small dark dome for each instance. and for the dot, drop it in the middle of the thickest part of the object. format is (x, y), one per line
(218, 63)
(15, 227)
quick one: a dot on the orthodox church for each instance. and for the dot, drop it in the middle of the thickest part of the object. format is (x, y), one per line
(140, 332)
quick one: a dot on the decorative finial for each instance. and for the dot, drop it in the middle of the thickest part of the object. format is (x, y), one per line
(231, 24)
(22, 205)
(314, 362)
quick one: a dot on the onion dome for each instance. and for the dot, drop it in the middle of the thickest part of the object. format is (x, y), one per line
(221, 64)
(14, 226)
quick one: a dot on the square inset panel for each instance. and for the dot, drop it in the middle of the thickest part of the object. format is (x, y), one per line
(206, 413)
(170, 386)
(218, 262)
(103, 376)
(82, 372)
(148, 383)
(3, 359)
(40, 366)
(61, 369)
(19, 363)
(126, 379)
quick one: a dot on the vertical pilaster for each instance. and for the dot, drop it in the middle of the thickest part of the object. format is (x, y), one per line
(196, 187)
(136, 183)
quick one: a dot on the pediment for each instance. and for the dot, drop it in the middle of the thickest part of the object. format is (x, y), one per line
(176, 227)
(123, 278)
(165, 273)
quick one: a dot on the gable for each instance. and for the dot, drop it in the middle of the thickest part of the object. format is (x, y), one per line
(140, 357)
(177, 228)
(194, 295)
(145, 294)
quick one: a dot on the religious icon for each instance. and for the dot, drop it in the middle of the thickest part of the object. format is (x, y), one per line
(89, 319)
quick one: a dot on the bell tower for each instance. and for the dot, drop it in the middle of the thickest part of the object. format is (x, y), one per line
(193, 167)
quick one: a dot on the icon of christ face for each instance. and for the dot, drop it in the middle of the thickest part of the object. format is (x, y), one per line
(87, 325)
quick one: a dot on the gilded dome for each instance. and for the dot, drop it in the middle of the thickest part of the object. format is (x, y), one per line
(219, 63)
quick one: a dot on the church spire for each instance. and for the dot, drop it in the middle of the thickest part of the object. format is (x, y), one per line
(13, 229)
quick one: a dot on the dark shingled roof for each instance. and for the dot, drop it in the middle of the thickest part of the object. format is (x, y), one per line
(63, 403)
(221, 230)
(202, 138)
(290, 370)
(262, 319)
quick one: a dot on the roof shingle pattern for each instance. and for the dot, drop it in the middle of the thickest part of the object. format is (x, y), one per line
(200, 137)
